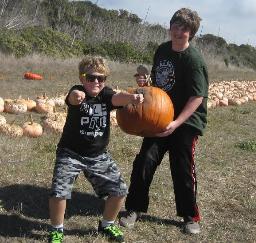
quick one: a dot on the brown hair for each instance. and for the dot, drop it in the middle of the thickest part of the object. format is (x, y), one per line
(93, 64)
(188, 18)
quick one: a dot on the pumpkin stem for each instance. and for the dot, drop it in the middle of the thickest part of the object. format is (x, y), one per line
(31, 119)
(12, 122)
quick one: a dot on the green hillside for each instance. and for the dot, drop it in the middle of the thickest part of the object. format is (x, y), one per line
(63, 28)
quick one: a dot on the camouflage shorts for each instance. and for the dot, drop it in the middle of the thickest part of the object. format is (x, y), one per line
(100, 171)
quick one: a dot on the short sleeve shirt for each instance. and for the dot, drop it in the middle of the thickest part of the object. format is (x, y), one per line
(87, 127)
(182, 75)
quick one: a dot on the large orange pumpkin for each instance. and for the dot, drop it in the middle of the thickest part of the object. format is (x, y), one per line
(148, 118)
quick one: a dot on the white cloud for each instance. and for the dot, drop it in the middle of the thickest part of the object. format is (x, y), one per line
(234, 20)
(244, 8)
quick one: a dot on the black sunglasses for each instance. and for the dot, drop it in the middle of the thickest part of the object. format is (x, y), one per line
(91, 78)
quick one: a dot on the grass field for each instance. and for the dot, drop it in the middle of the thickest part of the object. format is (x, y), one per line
(225, 157)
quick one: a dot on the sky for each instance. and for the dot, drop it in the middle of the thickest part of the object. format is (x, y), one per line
(233, 20)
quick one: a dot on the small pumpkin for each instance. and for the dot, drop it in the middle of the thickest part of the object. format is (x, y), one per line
(14, 106)
(11, 130)
(44, 105)
(32, 129)
(2, 120)
(33, 76)
(54, 122)
(113, 120)
(31, 104)
(148, 118)
(58, 101)
(1, 104)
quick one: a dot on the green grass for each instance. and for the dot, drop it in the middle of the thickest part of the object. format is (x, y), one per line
(225, 170)
(247, 145)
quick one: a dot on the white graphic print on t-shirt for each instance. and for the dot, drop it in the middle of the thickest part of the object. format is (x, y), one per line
(94, 119)
(165, 77)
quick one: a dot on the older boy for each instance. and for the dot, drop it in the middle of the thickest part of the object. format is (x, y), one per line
(82, 147)
(178, 69)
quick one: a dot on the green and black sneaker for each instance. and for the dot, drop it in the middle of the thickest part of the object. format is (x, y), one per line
(56, 236)
(112, 232)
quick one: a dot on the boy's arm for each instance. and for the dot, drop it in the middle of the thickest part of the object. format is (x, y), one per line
(190, 107)
(122, 99)
(76, 97)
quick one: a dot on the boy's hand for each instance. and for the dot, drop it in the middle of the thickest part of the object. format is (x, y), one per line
(76, 97)
(137, 98)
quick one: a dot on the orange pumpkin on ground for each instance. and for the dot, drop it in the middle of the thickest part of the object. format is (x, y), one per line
(44, 105)
(11, 130)
(113, 120)
(2, 120)
(32, 129)
(1, 104)
(33, 76)
(148, 118)
(54, 122)
(15, 106)
(31, 104)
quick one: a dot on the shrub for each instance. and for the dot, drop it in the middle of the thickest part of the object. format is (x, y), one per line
(247, 145)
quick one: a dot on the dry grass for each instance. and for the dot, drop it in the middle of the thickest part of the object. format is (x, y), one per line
(226, 172)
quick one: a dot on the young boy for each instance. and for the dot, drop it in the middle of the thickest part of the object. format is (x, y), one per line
(178, 69)
(142, 76)
(82, 147)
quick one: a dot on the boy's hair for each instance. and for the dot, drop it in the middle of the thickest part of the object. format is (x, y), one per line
(141, 70)
(93, 64)
(188, 18)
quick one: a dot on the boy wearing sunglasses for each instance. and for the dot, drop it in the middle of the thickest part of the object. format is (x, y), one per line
(82, 147)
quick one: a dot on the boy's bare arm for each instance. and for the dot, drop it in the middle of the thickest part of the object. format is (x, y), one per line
(76, 97)
(122, 99)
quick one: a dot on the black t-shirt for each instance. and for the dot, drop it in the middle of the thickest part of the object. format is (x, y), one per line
(87, 127)
(182, 75)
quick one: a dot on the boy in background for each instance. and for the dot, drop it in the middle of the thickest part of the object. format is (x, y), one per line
(142, 76)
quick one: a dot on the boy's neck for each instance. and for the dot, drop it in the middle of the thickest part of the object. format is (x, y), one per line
(179, 47)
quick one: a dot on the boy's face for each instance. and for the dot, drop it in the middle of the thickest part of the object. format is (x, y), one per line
(179, 33)
(93, 82)
(141, 80)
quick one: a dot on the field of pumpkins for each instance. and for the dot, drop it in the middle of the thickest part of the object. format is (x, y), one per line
(52, 111)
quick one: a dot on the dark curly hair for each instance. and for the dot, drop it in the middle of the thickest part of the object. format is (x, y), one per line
(187, 18)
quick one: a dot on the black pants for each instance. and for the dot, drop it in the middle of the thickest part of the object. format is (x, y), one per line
(181, 148)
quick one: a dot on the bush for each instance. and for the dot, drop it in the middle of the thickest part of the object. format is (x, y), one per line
(38, 40)
(12, 43)
(119, 51)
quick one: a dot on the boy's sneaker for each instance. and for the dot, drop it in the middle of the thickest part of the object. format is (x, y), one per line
(190, 226)
(56, 236)
(112, 232)
(129, 219)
